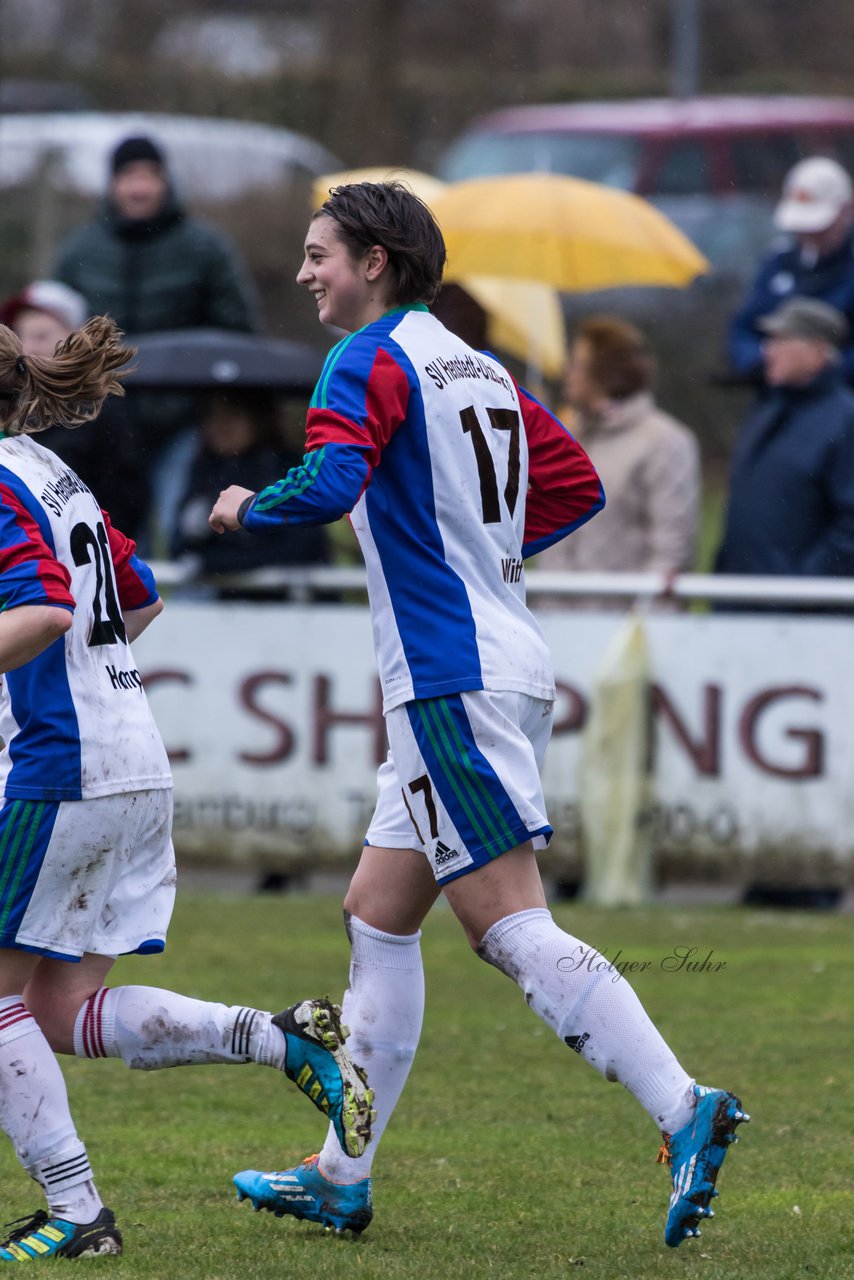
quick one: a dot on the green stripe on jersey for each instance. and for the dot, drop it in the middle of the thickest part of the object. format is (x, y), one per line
(318, 400)
(276, 495)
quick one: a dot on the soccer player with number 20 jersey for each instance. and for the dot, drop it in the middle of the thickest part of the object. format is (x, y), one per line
(452, 475)
(87, 870)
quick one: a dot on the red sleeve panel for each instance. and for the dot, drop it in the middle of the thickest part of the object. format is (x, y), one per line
(29, 571)
(358, 410)
(564, 490)
(360, 402)
(134, 580)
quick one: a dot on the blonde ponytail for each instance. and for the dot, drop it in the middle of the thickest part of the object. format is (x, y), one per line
(65, 389)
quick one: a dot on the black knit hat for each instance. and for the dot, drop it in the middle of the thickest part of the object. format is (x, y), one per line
(133, 149)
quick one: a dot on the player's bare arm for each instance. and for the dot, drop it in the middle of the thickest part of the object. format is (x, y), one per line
(26, 631)
(226, 508)
(136, 620)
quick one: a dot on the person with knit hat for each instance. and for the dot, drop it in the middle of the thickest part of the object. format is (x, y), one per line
(139, 183)
(145, 261)
(816, 260)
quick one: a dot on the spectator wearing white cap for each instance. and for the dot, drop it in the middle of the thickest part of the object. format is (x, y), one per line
(43, 315)
(816, 214)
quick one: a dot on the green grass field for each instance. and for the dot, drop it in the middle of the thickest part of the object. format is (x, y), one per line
(508, 1156)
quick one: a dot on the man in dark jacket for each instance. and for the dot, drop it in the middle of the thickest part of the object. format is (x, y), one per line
(149, 265)
(152, 267)
(817, 212)
(791, 499)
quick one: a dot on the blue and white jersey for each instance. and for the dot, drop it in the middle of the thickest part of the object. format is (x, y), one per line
(452, 475)
(75, 721)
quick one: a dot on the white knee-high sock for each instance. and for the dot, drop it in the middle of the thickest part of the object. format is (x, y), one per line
(150, 1028)
(34, 1113)
(384, 1009)
(579, 994)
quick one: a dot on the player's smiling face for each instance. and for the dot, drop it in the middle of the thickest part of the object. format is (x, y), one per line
(350, 291)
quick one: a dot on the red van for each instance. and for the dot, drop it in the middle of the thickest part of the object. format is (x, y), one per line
(687, 156)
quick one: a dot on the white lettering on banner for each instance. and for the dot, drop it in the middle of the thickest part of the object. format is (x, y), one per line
(273, 720)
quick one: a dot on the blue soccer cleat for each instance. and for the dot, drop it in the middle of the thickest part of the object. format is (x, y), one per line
(44, 1237)
(321, 1067)
(304, 1192)
(695, 1155)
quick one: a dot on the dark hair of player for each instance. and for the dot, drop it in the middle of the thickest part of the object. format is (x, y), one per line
(65, 389)
(388, 214)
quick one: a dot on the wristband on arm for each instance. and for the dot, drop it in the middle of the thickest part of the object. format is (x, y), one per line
(244, 507)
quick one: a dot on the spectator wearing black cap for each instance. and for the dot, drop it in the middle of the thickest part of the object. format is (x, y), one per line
(815, 260)
(791, 498)
(143, 260)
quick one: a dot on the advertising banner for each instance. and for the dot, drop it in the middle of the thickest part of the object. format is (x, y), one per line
(272, 718)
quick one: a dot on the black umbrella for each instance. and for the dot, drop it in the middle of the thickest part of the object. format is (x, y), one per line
(192, 359)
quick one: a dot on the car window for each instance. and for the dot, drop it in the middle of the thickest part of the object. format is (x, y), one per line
(685, 169)
(760, 161)
(608, 158)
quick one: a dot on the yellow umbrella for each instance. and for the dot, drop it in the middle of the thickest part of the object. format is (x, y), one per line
(420, 184)
(565, 232)
(524, 319)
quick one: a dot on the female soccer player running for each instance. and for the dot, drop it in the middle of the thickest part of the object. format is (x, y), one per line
(87, 870)
(452, 475)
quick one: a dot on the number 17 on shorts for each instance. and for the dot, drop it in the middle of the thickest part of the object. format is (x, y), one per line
(472, 787)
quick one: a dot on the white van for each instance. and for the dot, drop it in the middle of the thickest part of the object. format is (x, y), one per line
(210, 159)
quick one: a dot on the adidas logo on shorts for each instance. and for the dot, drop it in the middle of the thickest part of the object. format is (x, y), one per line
(444, 854)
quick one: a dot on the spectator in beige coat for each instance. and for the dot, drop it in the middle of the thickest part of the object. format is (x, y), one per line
(648, 462)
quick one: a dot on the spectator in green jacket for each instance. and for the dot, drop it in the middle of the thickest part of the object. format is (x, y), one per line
(143, 260)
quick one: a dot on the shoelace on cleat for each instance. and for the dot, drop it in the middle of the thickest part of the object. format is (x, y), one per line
(31, 1222)
(664, 1155)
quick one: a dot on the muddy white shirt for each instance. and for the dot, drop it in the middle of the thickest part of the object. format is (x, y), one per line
(75, 721)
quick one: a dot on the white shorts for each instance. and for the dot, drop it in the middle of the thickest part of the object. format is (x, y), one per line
(87, 875)
(462, 779)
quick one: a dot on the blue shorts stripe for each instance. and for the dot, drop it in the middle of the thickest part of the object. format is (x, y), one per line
(457, 764)
(26, 827)
(469, 788)
(470, 758)
(434, 748)
(20, 816)
(7, 830)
